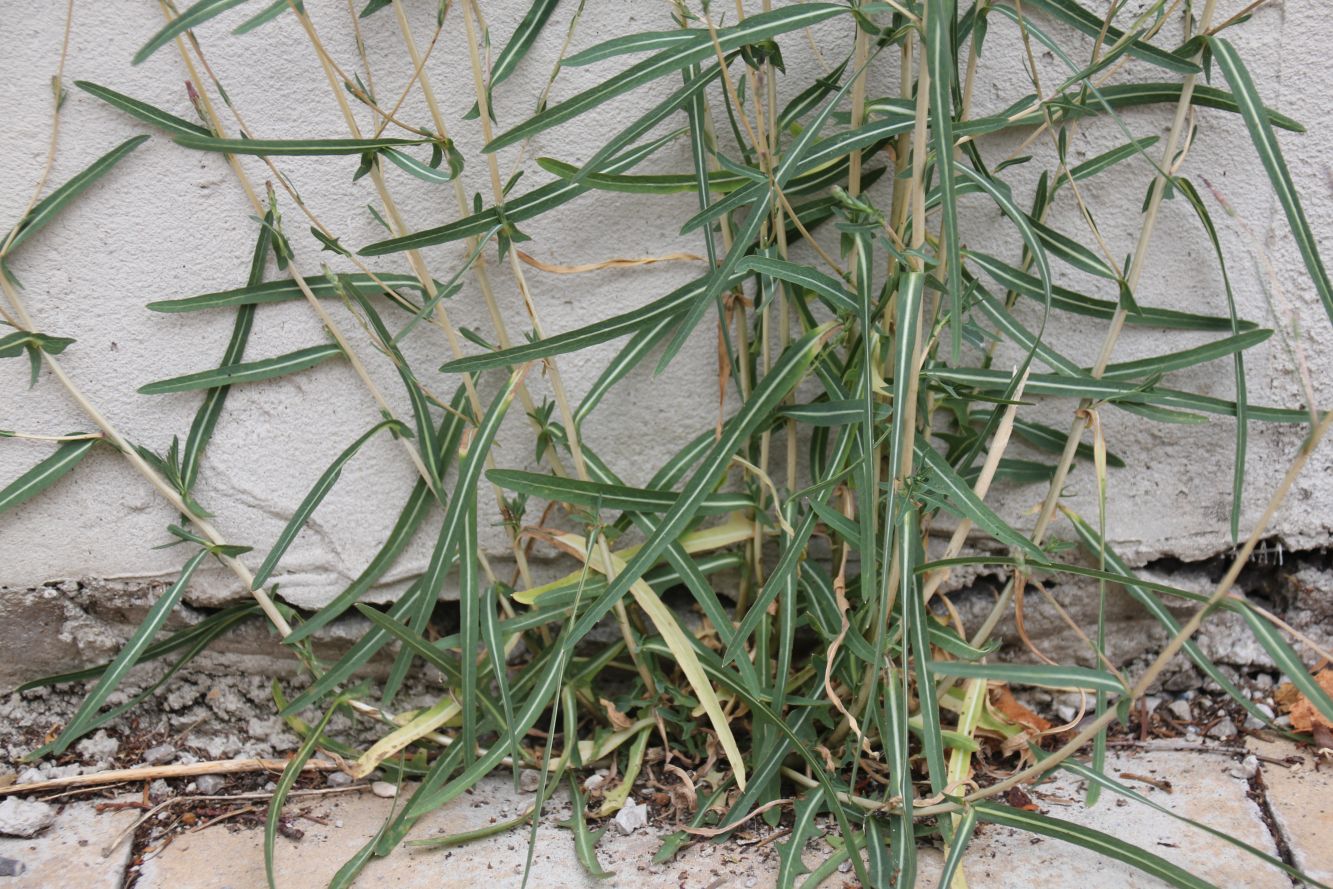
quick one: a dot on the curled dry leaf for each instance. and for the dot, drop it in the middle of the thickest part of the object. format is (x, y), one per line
(618, 263)
(1304, 716)
(619, 721)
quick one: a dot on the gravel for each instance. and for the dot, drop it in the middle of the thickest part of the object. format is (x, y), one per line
(25, 818)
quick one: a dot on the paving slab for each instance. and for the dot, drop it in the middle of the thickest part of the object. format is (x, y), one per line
(1300, 796)
(1202, 787)
(69, 852)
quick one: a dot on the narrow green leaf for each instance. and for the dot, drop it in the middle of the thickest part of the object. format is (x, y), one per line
(191, 18)
(670, 306)
(1092, 840)
(941, 18)
(517, 47)
(1270, 155)
(46, 209)
(246, 372)
(274, 9)
(1160, 364)
(786, 371)
(128, 656)
(280, 291)
(1107, 159)
(617, 497)
(424, 172)
(143, 111)
(946, 481)
(644, 41)
(45, 474)
(585, 841)
(829, 289)
(1093, 25)
(1067, 300)
(1042, 675)
(317, 494)
(760, 26)
(291, 147)
(206, 418)
(284, 787)
(528, 206)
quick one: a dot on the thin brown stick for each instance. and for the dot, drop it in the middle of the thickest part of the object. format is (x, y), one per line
(152, 773)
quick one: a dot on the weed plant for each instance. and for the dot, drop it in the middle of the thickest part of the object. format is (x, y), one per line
(878, 354)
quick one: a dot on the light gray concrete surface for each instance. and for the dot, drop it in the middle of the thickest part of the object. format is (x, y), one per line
(1300, 796)
(1202, 788)
(169, 222)
(70, 851)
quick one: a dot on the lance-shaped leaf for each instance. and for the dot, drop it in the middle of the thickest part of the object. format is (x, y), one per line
(753, 29)
(585, 840)
(644, 41)
(281, 291)
(316, 496)
(938, 46)
(206, 418)
(422, 171)
(517, 47)
(784, 375)
(284, 786)
(828, 288)
(1159, 364)
(1117, 392)
(45, 474)
(1093, 25)
(1131, 95)
(128, 656)
(191, 18)
(149, 114)
(1042, 675)
(46, 209)
(420, 603)
(245, 372)
(618, 497)
(1092, 840)
(292, 147)
(264, 16)
(1067, 300)
(1270, 155)
(961, 497)
(527, 206)
(670, 306)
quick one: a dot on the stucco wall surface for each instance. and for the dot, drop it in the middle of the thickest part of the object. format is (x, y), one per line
(170, 222)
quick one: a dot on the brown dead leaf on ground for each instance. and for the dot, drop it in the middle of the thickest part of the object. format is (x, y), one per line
(619, 721)
(1304, 716)
(1004, 701)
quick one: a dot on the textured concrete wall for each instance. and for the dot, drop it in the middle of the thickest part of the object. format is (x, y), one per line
(170, 222)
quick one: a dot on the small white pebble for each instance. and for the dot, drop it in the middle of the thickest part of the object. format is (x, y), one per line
(384, 789)
(631, 817)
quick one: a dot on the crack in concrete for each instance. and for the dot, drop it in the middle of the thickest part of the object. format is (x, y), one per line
(1258, 793)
